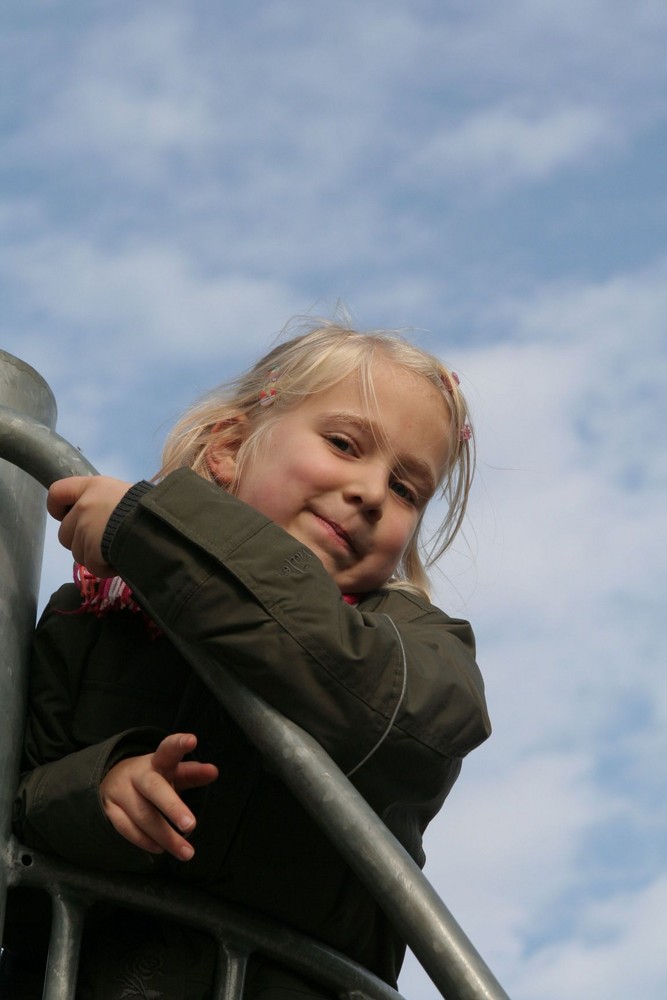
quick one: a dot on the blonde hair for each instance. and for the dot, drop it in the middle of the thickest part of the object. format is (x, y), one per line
(319, 356)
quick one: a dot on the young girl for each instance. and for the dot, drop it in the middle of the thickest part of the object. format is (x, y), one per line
(282, 540)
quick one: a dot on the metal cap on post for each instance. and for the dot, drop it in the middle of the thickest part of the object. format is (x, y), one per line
(22, 527)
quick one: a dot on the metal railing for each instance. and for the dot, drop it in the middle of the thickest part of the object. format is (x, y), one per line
(39, 456)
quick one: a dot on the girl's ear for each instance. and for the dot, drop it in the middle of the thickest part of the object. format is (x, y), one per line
(226, 438)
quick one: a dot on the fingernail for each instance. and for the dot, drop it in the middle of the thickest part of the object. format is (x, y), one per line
(185, 823)
(186, 852)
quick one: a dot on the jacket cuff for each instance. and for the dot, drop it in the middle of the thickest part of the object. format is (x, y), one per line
(118, 515)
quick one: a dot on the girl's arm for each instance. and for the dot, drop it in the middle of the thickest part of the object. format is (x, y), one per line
(247, 595)
(58, 808)
(83, 779)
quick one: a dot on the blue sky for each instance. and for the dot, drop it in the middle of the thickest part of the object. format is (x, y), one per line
(178, 179)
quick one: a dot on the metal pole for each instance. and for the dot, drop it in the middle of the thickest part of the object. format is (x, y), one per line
(65, 946)
(22, 524)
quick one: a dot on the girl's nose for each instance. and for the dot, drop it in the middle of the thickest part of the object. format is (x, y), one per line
(368, 490)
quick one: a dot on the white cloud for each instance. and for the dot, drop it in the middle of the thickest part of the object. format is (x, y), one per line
(125, 99)
(147, 297)
(500, 146)
(569, 411)
(310, 102)
(614, 953)
(617, 952)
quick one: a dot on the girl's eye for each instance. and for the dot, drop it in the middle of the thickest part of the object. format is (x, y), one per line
(403, 491)
(341, 443)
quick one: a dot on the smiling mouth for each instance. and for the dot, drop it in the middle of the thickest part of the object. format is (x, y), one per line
(336, 530)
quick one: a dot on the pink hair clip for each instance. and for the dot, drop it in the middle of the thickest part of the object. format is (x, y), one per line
(466, 432)
(447, 380)
(267, 395)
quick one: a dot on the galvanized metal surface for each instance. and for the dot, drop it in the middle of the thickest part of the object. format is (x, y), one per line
(22, 518)
(68, 916)
(391, 875)
(241, 932)
(30, 445)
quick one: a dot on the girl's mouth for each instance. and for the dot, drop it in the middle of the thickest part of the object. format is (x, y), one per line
(335, 529)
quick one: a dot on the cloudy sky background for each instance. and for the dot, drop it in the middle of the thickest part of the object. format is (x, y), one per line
(178, 179)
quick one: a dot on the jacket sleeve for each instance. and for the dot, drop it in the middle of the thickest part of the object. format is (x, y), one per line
(245, 594)
(57, 806)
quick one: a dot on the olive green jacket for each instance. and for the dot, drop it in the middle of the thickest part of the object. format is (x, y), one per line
(390, 682)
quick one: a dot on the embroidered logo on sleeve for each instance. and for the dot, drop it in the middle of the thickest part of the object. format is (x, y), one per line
(298, 563)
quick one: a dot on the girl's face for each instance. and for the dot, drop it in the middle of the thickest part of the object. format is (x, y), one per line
(349, 484)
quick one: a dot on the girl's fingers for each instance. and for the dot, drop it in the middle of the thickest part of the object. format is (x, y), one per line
(128, 829)
(140, 796)
(172, 750)
(148, 823)
(63, 494)
(135, 797)
(192, 774)
(168, 760)
(159, 794)
(83, 505)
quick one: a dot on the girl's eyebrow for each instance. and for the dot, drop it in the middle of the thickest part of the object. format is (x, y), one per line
(410, 464)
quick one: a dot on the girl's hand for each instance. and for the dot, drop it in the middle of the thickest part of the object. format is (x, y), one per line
(83, 505)
(140, 799)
